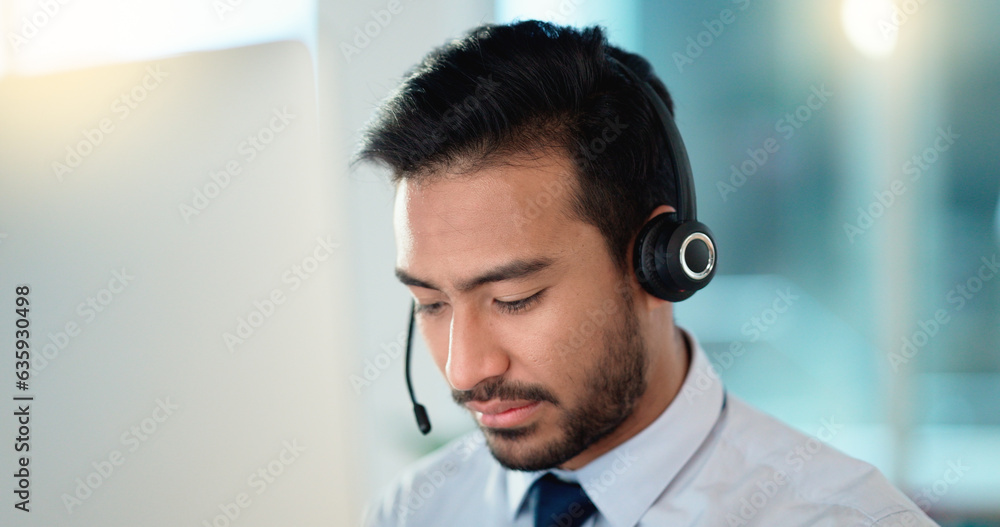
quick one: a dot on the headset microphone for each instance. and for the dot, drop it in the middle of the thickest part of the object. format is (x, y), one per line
(423, 422)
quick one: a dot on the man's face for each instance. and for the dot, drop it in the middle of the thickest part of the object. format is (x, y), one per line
(522, 308)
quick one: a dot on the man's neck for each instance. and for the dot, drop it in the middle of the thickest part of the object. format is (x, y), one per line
(666, 374)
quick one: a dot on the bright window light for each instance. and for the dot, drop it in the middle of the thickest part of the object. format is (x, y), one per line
(872, 26)
(44, 36)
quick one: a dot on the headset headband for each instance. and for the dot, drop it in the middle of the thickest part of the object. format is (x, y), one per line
(679, 165)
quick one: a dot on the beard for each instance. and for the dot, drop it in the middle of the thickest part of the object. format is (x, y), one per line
(611, 389)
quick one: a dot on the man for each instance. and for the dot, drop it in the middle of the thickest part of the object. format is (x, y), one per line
(525, 163)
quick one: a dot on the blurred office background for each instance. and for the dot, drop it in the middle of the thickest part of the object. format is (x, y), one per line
(874, 212)
(843, 155)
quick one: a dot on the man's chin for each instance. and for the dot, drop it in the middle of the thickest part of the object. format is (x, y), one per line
(517, 433)
(522, 448)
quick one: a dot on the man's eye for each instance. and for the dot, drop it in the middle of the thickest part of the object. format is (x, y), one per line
(520, 305)
(429, 309)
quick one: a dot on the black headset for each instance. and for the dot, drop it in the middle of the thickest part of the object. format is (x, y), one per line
(674, 253)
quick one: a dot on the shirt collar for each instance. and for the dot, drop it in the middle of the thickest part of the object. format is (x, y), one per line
(624, 482)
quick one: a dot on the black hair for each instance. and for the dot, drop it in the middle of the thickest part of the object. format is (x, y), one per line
(503, 90)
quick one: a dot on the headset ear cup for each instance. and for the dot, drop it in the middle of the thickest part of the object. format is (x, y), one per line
(690, 257)
(665, 265)
(642, 257)
(645, 256)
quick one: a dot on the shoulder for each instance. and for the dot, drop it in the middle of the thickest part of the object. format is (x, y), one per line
(460, 468)
(778, 471)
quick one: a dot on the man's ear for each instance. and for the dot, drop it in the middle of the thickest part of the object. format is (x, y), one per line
(662, 209)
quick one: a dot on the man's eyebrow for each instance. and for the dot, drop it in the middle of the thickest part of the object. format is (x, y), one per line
(508, 271)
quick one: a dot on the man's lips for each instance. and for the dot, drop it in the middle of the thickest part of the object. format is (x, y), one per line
(502, 414)
(496, 407)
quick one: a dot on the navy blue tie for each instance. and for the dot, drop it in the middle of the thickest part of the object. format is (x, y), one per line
(561, 504)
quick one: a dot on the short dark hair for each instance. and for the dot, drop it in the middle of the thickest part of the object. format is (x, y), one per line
(502, 90)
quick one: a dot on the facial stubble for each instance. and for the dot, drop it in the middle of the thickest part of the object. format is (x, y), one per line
(611, 388)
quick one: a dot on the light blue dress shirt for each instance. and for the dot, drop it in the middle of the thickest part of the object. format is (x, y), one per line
(709, 459)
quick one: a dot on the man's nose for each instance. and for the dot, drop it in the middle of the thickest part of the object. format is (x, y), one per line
(473, 355)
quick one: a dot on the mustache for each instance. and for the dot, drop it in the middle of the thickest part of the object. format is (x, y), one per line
(505, 391)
